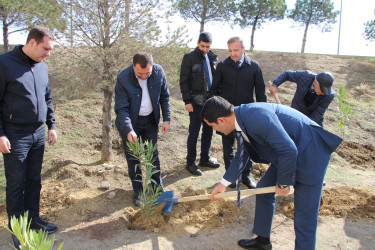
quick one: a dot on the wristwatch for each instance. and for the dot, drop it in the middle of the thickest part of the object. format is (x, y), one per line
(282, 186)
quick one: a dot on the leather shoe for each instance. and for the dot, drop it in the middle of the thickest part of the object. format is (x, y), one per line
(254, 244)
(16, 242)
(209, 164)
(38, 224)
(249, 183)
(194, 169)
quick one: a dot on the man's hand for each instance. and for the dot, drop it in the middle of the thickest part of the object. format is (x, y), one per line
(273, 90)
(189, 107)
(132, 137)
(52, 137)
(165, 127)
(219, 188)
(282, 192)
(4, 145)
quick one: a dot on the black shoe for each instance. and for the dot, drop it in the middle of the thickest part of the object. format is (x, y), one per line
(16, 242)
(209, 164)
(254, 244)
(193, 169)
(38, 224)
(249, 183)
(136, 201)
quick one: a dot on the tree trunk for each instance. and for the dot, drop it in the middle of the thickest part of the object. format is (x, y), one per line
(202, 27)
(108, 89)
(127, 17)
(5, 34)
(71, 24)
(304, 38)
(252, 34)
(107, 124)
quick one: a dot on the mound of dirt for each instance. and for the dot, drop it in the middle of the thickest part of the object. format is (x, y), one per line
(356, 153)
(355, 203)
(198, 214)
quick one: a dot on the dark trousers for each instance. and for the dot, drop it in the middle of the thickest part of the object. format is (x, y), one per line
(147, 130)
(228, 154)
(194, 128)
(23, 171)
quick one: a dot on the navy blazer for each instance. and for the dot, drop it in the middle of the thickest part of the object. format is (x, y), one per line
(297, 146)
(304, 80)
(128, 97)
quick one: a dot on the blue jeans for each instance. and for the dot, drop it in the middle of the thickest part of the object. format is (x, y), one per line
(147, 130)
(23, 171)
(194, 128)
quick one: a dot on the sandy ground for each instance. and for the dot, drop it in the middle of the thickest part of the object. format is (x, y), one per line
(90, 218)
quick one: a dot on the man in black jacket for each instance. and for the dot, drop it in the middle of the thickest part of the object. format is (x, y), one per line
(197, 69)
(26, 106)
(236, 78)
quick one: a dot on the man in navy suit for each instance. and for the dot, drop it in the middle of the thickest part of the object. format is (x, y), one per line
(299, 151)
(313, 95)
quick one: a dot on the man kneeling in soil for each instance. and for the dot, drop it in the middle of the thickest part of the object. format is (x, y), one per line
(299, 151)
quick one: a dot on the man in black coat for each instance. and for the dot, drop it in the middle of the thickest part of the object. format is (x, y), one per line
(236, 78)
(197, 69)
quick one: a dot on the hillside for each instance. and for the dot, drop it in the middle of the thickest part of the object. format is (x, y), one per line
(89, 216)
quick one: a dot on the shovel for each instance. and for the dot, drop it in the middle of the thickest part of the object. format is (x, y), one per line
(169, 200)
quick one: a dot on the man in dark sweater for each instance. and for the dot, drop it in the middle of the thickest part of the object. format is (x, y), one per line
(26, 106)
(236, 78)
(197, 69)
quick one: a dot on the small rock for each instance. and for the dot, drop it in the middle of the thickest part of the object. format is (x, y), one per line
(110, 167)
(118, 166)
(111, 195)
(106, 185)
(70, 200)
(156, 230)
(101, 170)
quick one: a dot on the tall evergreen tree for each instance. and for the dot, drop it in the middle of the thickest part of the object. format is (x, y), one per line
(370, 30)
(314, 12)
(256, 12)
(204, 11)
(22, 15)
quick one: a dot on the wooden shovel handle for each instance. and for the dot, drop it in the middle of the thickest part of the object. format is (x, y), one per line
(246, 192)
(276, 96)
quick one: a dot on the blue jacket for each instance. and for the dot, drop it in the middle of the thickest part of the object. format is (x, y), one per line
(128, 97)
(304, 80)
(284, 137)
(25, 95)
